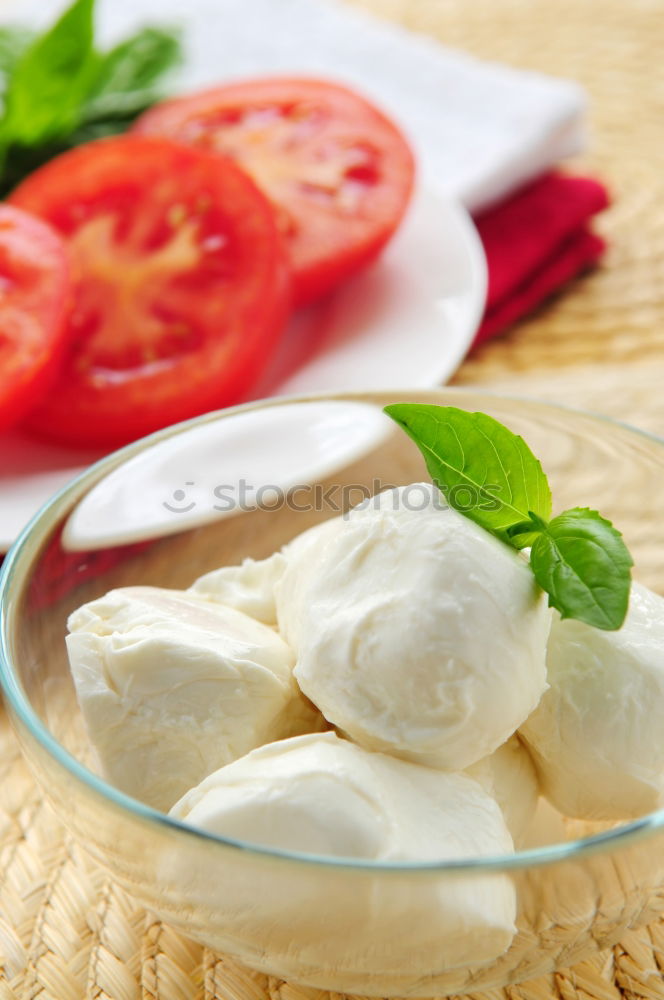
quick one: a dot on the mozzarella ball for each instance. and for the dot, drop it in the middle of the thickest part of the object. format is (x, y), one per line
(322, 795)
(548, 826)
(509, 775)
(597, 736)
(416, 631)
(171, 687)
(248, 587)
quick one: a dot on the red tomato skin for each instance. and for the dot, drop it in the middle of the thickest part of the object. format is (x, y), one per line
(114, 388)
(327, 245)
(35, 290)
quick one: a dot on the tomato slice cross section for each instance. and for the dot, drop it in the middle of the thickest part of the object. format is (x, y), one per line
(34, 298)
(337, 170)
(181, 285)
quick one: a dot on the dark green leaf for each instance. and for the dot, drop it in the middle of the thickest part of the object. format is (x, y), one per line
(484, 469)
(19, 161)
(584, 565)
(51, 79)
(23, 160)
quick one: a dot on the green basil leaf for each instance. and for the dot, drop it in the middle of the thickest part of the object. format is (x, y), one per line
(490, 475)
(14, 40)
(485, 470)
(58, 92)
(582, 562)
(524, 533)
(51, 79)
(128, 75)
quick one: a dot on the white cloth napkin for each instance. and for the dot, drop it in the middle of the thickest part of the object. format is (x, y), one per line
(480, 129)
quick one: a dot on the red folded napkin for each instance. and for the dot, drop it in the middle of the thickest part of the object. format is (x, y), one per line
(535, 242)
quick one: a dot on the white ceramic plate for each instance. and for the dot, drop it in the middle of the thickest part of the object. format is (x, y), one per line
(406, 322)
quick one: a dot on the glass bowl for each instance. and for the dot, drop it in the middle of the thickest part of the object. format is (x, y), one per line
(348, 926)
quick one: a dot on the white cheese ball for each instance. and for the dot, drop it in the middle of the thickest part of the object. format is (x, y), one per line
(597, 736)
(547, 827)
(171, 687)
(248, 587)
(509, 775)
(322, 795)
(416, 631)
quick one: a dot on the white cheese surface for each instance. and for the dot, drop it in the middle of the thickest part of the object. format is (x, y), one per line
(248, 587)
(509, 775)
(324, 795)
(416, 632)
(597, 736)
(172, 686)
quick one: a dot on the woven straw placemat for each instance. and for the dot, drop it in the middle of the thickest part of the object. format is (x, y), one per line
(600, 343)
(66, 933)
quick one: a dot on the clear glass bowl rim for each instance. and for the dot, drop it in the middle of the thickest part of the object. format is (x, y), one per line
(18, 559)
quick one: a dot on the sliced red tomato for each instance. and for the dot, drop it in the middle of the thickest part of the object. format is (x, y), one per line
(339, 172)
(34, 297)
(181, 285)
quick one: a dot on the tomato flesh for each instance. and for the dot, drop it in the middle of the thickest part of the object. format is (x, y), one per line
(181, 285)
(34, 296)
(337, 170)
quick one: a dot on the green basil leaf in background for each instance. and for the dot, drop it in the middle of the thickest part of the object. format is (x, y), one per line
(14, 40)
(582, 562)
(50, 80)
(59, 92)
(484, 469)
(129, 75)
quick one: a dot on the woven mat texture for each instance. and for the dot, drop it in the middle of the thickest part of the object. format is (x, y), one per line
(65, 932)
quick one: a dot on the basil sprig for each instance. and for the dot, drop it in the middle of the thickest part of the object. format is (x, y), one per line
(490, 475)
(57, 90)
